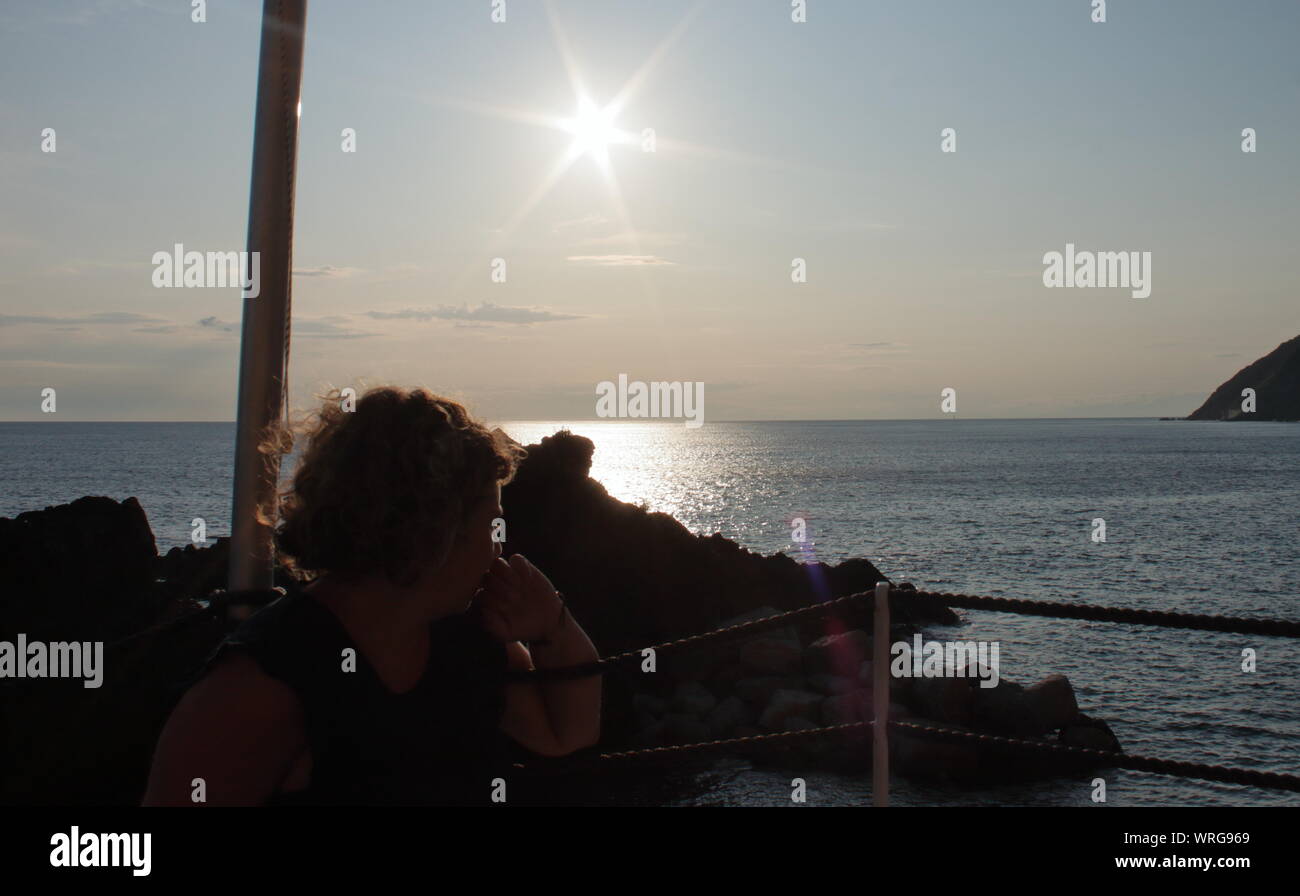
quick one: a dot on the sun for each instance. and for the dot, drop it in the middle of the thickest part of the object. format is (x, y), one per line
(593, 131)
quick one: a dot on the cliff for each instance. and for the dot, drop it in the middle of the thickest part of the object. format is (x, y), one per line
(1276, 381)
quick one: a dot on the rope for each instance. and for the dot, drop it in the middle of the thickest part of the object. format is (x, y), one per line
(651, 752)
(217, 601)
(1284, 628)
(781, 620)
(1174, 768)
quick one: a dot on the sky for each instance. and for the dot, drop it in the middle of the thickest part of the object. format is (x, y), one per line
(774, 141)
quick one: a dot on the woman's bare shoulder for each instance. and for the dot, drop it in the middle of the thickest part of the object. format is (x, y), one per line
(237, 730)
(237, 674)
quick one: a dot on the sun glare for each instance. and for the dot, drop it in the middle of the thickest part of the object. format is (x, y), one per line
(593, 131)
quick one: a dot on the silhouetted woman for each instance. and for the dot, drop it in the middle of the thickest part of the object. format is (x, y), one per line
(384, 679)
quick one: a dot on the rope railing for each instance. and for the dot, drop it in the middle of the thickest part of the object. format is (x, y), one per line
(217, 602)
(1282, 628)
(1236, 625)
(1098, 758)
(1159, 618)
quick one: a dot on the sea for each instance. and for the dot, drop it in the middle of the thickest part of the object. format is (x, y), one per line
(1199, 517)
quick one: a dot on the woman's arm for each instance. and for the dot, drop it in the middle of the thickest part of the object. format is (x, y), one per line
(238, 730)
(554, 718)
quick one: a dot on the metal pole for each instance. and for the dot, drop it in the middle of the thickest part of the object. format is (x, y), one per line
(880, 697)
(264, 349)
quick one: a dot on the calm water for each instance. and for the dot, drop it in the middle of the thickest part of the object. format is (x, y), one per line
(1200, 517)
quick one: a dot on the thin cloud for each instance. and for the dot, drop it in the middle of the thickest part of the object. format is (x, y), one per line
(326, 328)
(27, 363)
(1014, 275)
(299, 328)
(487, 312)
(618, 260)
(855, 224)
(92, 13)
(103, 317)
(213, 323)
(584, 223)
(326, 270)
(879, 346)
(633, 238)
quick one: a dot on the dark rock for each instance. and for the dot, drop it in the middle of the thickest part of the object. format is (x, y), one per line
(1001, 710)
(788, 633)
(684, 729)
(866, 672)
(1013, 710)
(726, 677)
(193, 571)
(832, 684)
(729, 715)
(949, 700)
(787, 703)
(922, 757)
(841, 709)
(758, 691)
(1052, 702)
(650, 704)
(1276, 381)
(841, 654)
(1089, 734)
(772, 656)
(693, 699)
(79, 571)
(690, 665)
(655, 735)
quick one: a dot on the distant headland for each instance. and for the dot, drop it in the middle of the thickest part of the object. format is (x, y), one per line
(1268, 389)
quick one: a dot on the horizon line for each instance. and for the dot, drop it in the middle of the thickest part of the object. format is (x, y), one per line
(671, 421)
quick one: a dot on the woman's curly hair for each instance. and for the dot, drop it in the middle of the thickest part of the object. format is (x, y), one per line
(386, 488)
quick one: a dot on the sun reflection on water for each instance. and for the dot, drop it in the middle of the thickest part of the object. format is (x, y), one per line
(655, 464)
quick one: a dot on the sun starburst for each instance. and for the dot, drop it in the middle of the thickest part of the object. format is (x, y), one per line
(593, 131)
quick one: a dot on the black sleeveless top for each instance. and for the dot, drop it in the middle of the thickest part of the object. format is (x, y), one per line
(437, 744)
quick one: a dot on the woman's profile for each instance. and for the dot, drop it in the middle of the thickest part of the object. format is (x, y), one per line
(383, 678)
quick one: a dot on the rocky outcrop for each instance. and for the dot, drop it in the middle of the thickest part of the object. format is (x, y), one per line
(829, 682)
(77, 571)
(89, 571)
(1276, 381)
(635, 577)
